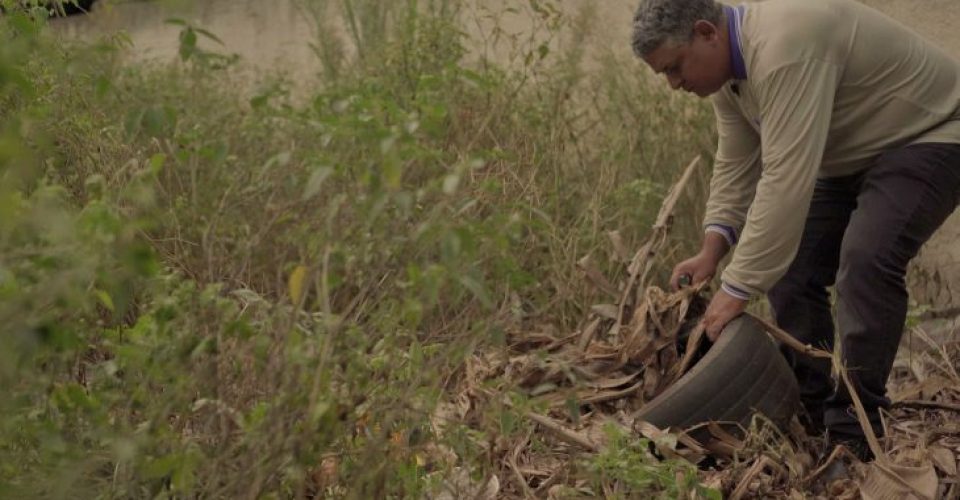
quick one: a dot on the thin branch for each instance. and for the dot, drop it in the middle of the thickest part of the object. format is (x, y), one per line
(567, 435)
(916, 403)
(518, 476)
(941, 351)
(748, 478)
(789, 340)
(839, 450)
(613, 395)
(865, 424)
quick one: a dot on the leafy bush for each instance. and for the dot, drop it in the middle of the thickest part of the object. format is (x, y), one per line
(208, 292)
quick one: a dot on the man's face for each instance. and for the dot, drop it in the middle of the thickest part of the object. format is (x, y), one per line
(700, 66)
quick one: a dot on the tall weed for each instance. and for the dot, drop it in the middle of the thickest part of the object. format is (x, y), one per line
(207, 292)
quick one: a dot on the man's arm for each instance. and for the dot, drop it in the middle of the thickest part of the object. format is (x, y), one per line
(735, 172)
(796, 102)
(736, 169)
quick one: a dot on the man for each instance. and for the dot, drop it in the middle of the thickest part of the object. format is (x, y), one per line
(838, 157)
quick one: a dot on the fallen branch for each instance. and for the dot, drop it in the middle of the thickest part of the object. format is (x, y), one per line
(520, 479)
(613, 395)
(748, 478)
(948, 365)
(564, 434)
(916, 403)
(865, 424)
(588, 332)
(839, 450)
(789, 340)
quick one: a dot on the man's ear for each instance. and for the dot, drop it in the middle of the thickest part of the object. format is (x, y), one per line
(706, 30)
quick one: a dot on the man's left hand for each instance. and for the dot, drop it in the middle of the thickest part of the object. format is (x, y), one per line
(722, 309)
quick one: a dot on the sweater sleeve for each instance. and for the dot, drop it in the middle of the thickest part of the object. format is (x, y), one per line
(736, 168)
(796, 103)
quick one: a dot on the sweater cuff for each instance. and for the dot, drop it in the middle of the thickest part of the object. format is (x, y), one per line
(732, 284)
(728, 232)
(735, 292)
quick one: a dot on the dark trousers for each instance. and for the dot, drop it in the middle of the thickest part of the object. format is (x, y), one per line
(861, 232)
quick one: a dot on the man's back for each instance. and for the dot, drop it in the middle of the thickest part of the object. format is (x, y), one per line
(893, 86)
(830, 85)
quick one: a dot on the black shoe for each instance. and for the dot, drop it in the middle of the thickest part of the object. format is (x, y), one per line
(812, 422)
(855, 444)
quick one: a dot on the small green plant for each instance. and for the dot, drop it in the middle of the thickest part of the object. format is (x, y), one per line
(626, 468)
(190, 51)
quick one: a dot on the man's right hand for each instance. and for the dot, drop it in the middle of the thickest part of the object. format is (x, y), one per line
(702, 266)
(699, 268)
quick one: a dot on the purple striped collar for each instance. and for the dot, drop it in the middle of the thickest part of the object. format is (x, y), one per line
(734, 21)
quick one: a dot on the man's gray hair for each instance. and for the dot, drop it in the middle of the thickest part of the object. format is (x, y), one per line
(659, 21)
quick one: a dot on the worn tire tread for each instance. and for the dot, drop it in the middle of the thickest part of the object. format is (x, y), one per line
(743, 372)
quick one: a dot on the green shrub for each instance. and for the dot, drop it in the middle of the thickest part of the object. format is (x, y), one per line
(627, 468)
(208, 291)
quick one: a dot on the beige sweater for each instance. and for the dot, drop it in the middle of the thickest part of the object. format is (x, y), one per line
(830, 84)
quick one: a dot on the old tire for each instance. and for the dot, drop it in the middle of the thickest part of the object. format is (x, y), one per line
(742, 373)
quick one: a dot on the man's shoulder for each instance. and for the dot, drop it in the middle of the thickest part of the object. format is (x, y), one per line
(789, 15)
(781, 32)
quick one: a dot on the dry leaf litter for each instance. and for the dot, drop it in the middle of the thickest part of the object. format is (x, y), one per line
(630, 351)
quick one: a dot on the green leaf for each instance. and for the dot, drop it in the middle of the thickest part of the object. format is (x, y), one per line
(392, 172)
(124, 450)
(315, 182)
(156, 163)
(209, 35)
(161, 467)
(451, 183)
(280, 159)
(101, 86)
(543, 50)
(158, 122)
(105, 300)
(259, 101)
(319, 410)
(132, 121)
(296, 284)
(478, 290)
(188, 43)
(508, 422)
(74, 396)
(572, 404)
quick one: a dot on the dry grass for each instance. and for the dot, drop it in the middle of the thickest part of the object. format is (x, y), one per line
(211, 293)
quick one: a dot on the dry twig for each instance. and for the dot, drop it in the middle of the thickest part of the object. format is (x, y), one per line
(789, 340)
(916, 403)
(563, 433)
(642, 257)
(512, 463)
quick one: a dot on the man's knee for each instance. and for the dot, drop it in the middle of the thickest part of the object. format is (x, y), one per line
(864, 261)
(801, 289)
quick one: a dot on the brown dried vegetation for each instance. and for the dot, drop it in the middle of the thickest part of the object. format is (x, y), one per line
(583, 383)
